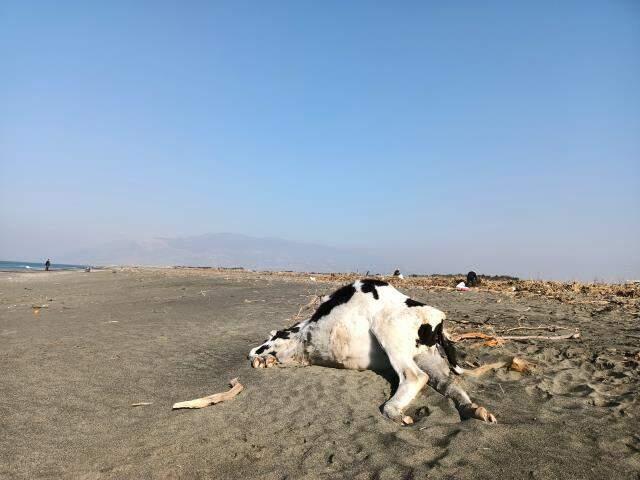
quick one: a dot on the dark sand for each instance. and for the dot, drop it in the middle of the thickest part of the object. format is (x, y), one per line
(107, 340)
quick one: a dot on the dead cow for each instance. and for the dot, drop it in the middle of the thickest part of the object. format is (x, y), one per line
(369, 325)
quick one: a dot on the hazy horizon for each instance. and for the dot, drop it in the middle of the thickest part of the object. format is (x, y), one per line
(260, 253)
(498, 137)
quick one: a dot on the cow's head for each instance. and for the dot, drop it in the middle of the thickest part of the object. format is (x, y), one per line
(281, 344)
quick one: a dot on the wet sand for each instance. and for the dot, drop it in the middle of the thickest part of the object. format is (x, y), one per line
(70, 372)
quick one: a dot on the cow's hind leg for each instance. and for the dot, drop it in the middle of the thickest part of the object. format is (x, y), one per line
(442, 381)
(411, 379)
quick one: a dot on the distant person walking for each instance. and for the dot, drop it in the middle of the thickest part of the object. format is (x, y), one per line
(47, 264)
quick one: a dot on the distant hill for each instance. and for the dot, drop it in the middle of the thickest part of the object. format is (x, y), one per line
(231, 250)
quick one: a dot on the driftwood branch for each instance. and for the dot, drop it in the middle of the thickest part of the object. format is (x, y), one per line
(468, 322)
(493, 340)
(236, 388)
(457, 337)
(568, 336)
(550, 328)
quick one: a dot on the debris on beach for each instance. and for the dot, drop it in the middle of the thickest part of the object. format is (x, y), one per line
(236, 388)
(522, 366)
(141, 404)
(36, 308)
(625, 295)
(461, 287)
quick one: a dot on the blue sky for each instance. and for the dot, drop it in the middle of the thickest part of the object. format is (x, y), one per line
(502, 135)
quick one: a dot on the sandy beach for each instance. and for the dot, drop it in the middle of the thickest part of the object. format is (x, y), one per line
(102, 341)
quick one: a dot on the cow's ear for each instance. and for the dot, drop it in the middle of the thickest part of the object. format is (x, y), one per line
(273, 332)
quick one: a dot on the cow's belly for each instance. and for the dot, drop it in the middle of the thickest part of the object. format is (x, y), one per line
(346, 343)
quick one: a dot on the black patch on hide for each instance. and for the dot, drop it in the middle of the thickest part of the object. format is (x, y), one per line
(340, 296)
(429, 337)
(283, 334)
(261, 349)
(413, 303)
(369, 286)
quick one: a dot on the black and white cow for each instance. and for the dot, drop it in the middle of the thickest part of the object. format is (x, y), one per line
(369, 325)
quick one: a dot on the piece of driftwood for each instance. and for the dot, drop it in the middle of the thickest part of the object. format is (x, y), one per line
(236, 388)
(476, 372)
(516, 364)
(522, 366)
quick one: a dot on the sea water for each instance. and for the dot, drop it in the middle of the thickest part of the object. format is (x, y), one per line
(12, 266)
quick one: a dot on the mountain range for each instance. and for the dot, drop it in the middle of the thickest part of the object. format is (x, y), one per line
(231, 250)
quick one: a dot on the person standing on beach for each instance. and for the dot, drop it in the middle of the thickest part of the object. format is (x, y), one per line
(47, 264)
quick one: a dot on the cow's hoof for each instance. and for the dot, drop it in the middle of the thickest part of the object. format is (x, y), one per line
(267, 361)
(479, 413)
(258, 363)
(407, 420)
(396, 415)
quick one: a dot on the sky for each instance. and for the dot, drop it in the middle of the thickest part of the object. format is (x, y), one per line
(500, 136)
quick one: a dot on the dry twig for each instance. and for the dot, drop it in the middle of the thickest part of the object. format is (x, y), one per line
(315, 301)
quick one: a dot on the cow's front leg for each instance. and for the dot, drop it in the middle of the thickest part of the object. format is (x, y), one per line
(441, 380)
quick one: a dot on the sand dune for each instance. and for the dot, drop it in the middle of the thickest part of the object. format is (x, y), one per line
(107, 340)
